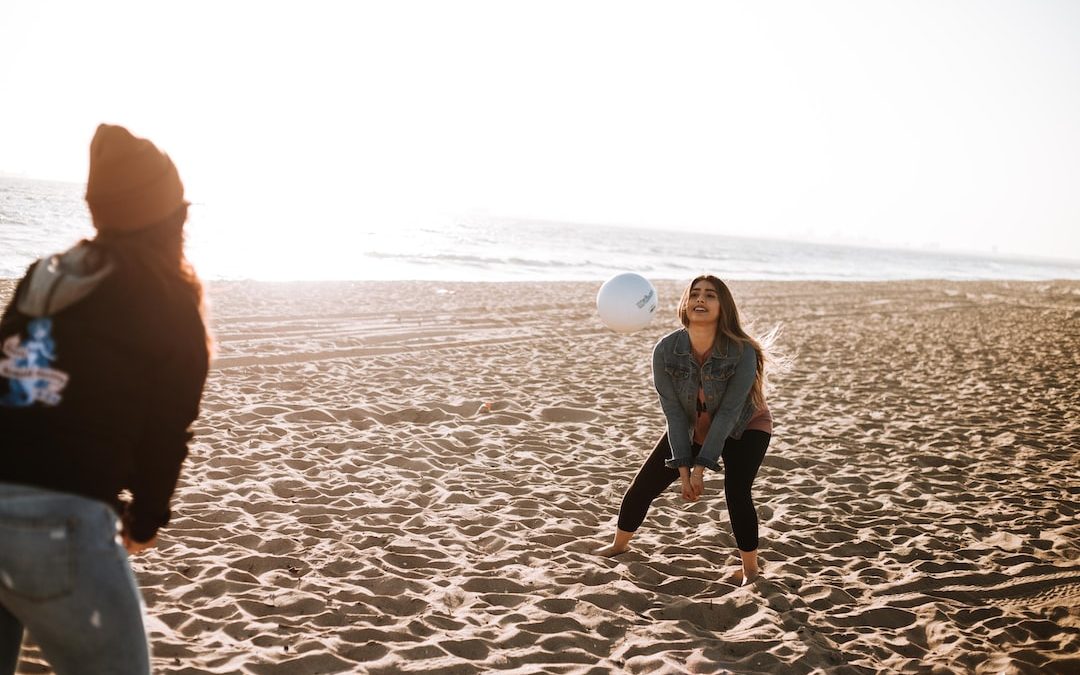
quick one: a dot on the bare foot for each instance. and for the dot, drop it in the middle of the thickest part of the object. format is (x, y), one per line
(611, 550)
(620, 544)
(738, 578)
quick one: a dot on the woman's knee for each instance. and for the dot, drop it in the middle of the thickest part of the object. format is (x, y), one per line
(738, 490)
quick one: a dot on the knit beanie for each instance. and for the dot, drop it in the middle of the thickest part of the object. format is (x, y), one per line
(131, 184)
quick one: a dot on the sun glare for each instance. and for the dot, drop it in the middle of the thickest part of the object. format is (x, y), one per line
(710, 116)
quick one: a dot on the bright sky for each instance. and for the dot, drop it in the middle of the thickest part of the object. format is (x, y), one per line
(953, 124)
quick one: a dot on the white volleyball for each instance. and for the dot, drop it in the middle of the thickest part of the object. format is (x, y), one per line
(626, 302)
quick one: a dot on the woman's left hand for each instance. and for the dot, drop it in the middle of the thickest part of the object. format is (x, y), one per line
(697, 481)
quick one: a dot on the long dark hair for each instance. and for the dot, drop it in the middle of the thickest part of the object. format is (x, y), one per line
(159, 250)
(728, 327)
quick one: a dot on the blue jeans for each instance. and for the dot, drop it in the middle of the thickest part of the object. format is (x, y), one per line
(65, 577)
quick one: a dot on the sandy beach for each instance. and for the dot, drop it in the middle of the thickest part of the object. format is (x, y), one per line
(408, 477)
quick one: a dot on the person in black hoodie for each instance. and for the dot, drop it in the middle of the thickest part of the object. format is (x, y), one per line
(103, 358)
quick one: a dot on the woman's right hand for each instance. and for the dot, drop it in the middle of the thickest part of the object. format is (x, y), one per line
(134, 547)
(688, 492)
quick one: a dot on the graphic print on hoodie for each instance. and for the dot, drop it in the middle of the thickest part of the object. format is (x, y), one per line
(54, 283)
(27, 367)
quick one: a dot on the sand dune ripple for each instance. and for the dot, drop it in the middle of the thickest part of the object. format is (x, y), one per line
(380, 491)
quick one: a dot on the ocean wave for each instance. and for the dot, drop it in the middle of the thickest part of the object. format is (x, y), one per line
(38, 218)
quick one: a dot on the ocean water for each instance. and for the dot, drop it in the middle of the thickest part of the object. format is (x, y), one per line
(40, 217)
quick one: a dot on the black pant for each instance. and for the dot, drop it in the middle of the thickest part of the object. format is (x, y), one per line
(741, 457)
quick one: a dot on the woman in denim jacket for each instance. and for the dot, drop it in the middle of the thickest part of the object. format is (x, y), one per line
(710, 377)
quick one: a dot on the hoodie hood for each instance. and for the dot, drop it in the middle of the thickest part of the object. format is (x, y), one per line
(58, 281)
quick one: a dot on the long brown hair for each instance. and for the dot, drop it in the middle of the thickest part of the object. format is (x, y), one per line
(729, 328)
(159, 248)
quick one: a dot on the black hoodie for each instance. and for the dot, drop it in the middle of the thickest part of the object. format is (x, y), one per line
(102, 367)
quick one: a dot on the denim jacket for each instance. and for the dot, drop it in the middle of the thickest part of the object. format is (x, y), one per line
(727, 377)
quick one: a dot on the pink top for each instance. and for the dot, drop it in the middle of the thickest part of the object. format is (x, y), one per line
(761, 420)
